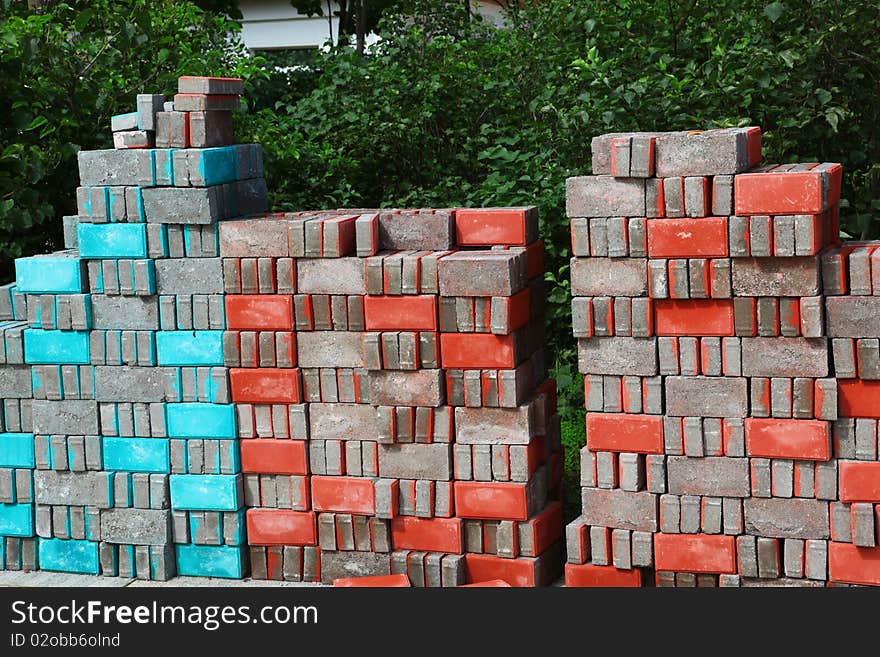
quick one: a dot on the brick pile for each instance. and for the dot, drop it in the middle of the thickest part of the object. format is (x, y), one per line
(393, 404)
(198, 387)
(728, 345)
(126, 462)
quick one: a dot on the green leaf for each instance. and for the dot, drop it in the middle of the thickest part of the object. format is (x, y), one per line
(773, 11)
(37, 122)
(823, 95)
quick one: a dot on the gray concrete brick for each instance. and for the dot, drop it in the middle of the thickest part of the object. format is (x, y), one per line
(786, 518)
(716, 476)
(706, 397)
(603, 196)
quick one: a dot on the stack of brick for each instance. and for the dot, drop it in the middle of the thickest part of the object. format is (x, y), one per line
(393, 405)
(134, 436)
(18, 544)
(852, 286)
(700, 317)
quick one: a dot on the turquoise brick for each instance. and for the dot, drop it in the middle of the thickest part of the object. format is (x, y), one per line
(112, 240)
(49, 274)
(69, 556)
(211, 561)
(137, 454)
(205, 492)
(17, 450)
(56, 347)
(195, 420)
(17, 520)
(218, 165)
(190, 348)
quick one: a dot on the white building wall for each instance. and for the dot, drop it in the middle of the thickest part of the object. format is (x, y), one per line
(275, 24)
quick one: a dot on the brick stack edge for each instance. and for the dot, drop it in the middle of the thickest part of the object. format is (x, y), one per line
(198, 387)
(730, 350)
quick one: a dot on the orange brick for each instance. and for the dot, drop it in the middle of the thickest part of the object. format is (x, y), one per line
(853, 565)
(625, 432)
(267, 456)
(344, 494)
(373, 581)
(516, 572)
(687, 238)
(477, 351)
(401, 313)
(265, 386)
(859, 482)
(261, 312)
(693, 317)
(858, 398)
(493, 226)
(490, 584)
(787, 192)
(788, 439)
(490, 500)
(281, 527)
(547, 528)
(589, 575)
(428, 534)
(695, 553)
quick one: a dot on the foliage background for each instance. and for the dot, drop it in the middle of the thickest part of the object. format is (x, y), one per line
(447, 110)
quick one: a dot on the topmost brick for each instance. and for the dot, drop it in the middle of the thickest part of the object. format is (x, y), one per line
(670, 154)
(191, 84)
(707, 153)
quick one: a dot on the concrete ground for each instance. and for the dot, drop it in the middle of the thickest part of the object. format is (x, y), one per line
(47, 579)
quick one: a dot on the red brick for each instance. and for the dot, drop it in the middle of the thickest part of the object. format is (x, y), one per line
(516, 572)
(547, 528)
(477, 351)
(624, 432)
(590, 575)
(859, 482)
(788, 439)
(428, 534)
(693, 317)
(858, 398)
(695, 553)
(281, 527)
(535, 259)
(267, 456)
(753, 146)
(786, 192)
(344, 495)
(491, 226)
(265, 386)
(262, 312)
(489, 584)
(853, 565)
(401, 313)
(519, 309)
(373, 581)
(490, 500)
(549, 388)
(687, 238)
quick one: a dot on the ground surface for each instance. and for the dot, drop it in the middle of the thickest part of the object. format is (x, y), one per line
(44, 579)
